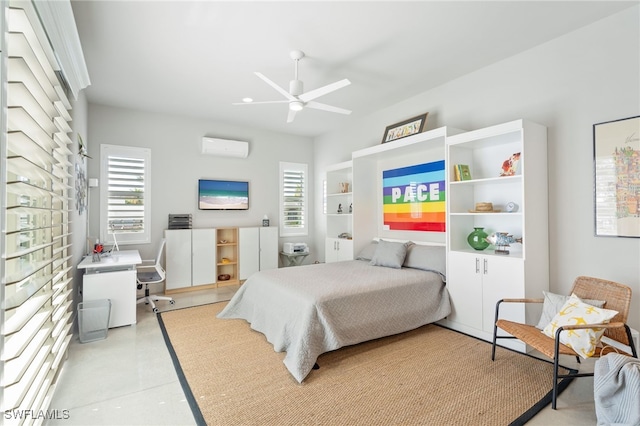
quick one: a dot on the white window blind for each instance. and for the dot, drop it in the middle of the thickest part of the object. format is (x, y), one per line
(293, 199)
(36, 265)
(124, 194)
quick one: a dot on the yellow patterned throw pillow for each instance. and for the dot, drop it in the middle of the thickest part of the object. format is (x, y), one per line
(573, 312)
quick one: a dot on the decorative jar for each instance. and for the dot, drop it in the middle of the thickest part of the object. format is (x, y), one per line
(476, 239)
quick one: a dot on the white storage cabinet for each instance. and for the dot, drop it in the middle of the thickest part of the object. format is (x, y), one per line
(338, 249)
(190, 258)
(117, 286)
(476, 280)
(258, 247)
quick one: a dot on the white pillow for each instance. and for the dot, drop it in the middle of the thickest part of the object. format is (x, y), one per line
(573, 312)
(553, 303)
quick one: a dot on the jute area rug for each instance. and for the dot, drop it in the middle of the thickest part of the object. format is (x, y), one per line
(428, 376)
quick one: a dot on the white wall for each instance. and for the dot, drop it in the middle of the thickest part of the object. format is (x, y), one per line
(568, 84)
(78, 220)
(177, 164)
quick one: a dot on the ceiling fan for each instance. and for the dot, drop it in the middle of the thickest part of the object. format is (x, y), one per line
(296, 97)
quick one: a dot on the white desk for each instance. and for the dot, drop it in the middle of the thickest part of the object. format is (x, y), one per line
(114, 278)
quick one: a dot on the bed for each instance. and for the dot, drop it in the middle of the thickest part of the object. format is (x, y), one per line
(312, 309)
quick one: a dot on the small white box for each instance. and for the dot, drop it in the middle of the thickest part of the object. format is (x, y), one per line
(291, 248)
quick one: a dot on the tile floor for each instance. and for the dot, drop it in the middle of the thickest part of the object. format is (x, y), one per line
(129, 379)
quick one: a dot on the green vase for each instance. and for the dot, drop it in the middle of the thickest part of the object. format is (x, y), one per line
(476, 239)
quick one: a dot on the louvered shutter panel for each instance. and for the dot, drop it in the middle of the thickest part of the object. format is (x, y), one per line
(36, 263)
(126, 195)
(293, 185)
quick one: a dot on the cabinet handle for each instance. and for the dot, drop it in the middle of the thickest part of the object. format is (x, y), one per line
(486, 266)
(477, 265)
(338, 245)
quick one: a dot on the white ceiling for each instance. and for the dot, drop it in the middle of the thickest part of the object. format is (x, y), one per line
(195, 58)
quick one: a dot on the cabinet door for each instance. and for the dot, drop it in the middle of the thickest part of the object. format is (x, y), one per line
(337, 250)
(249, 251)
(178, 258)
(331, 250)
(345, 249)
(464, 282)
(503, 277)
(117, 286)
(203, 246)
(268, 248)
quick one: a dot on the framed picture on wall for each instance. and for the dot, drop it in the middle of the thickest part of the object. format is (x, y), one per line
(405, 128)
(413, 198)
(616, 160)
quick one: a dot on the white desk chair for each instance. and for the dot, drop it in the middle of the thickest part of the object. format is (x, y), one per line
(152, 272)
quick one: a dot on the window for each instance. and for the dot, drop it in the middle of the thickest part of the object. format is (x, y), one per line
(124, 194)
(293, 199)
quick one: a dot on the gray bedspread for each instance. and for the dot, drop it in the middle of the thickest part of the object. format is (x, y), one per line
(309, 310)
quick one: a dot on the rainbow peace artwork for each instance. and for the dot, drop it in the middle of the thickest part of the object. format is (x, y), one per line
(414, 198)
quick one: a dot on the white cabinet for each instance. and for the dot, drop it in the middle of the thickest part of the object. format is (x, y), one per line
(475, 283)
(117, 286)
(203, 255)
(258, 249)
(178, 258)
(338, 249)
(190, 258)
(268, 247)
(476, 279)
(339, 211)
(249, 248)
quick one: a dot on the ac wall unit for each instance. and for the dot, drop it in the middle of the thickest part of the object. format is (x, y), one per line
(225, 147)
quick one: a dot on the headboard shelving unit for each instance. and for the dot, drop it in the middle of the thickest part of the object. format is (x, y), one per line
(368, 165)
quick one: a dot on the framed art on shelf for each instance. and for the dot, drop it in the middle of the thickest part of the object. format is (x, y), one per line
(616, 161)
(405, 128)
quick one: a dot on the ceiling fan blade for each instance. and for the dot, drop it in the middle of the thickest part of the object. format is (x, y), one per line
(291, 115)
(316, 93)
(261, 102)
(325, 107)
(275, 86)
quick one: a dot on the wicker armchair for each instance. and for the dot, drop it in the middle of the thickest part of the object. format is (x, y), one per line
(616, 296)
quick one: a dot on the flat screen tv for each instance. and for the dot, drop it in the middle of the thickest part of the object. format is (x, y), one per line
(216, 194)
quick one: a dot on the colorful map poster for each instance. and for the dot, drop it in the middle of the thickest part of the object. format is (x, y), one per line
(414, 198)
(617, 177)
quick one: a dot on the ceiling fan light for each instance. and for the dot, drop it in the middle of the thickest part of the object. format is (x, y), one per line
(296, 106)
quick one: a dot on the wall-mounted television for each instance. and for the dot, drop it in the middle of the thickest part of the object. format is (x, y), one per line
(215, 194)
